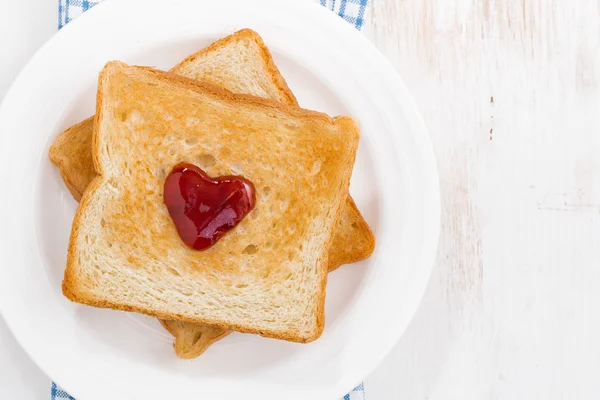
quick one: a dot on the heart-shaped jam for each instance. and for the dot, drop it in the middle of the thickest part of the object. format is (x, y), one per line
(204, 208)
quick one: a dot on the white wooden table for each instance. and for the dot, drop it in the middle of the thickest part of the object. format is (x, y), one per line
(510, 91)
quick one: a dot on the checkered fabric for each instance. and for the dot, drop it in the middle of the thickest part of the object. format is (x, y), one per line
(70, 9)
(358, 393)
(352, 11)
(57, 394)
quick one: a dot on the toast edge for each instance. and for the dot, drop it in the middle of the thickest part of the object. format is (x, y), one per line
(367, 241)
(349, 126)
(266, 56)
(367, 233)
(185, 350)
(222, 93)
(70, 287)
(56, 157)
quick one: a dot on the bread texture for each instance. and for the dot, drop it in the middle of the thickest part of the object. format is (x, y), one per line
(240, 63)
(191, 340)
(266, 276)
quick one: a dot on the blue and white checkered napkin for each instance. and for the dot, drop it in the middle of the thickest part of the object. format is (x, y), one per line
(352, 11)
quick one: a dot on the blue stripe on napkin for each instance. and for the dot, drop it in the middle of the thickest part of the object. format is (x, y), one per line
(352, 11)
(57, 394)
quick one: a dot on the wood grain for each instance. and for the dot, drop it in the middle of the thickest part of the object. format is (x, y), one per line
(509, 90)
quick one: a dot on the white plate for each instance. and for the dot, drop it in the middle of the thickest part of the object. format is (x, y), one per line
(99, 354)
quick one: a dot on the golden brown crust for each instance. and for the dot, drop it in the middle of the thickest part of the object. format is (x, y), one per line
(70, 285)
(274, 71)
(182, 331)
(217, 92)
(278, 80)
(98, 167)
(71, 187)
(353, 241)
(72, 148)
(170, 326)
(69, 290)
(71, 153)
(192, 340)
(351, 245)
(351, 128)
(69, 281)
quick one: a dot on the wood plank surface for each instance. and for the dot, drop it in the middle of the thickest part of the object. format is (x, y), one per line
(509, 90)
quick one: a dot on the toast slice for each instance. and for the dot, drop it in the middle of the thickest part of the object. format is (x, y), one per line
(124, 250)
(191, 340)
(240, 63)
(224, 63)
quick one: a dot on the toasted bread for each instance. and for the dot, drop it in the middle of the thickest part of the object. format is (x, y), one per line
(229, 62)
(240, 63)
(124, 250)
(191, 340)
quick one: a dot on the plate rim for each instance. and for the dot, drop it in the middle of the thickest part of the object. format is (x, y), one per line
(409, 106)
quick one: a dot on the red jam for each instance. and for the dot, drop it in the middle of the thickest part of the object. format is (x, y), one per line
(204, 208)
